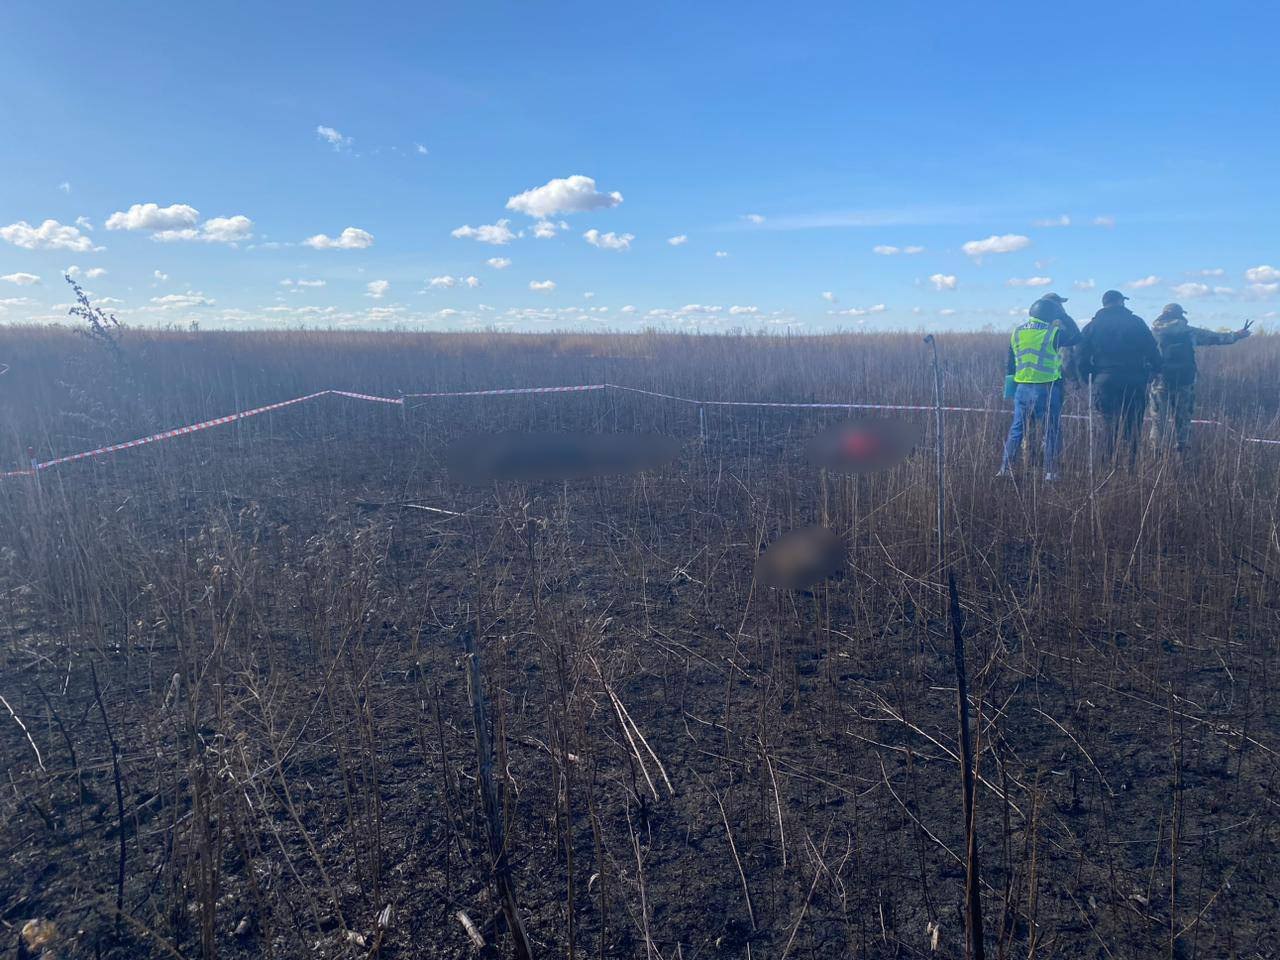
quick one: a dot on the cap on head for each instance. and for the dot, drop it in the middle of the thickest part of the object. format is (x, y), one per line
(1113, 296)
(1173, 310)
(1054, 297)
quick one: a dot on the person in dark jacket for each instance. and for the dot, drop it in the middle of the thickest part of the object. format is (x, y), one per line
(1173, 393)
(1120, 354)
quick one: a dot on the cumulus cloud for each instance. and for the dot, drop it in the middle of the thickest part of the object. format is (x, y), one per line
(50, 235)
(499, 234)
(1085, 284)
(420, 150)
(214, 230)
(887, 250)
(189, 299)
(629, 308)
(471, 282)
(1004, 243)
(944, 281)
(288, 283)
(498, 263)
(65, 186)
(377, 289)
(1029, 281)
(542, 286)
(352, 238)
(830, 297)
(1213, 272)
(152, 216)
(753, 217)
(84, 223)
(1190, 291)
(678, 241)
(947, 312)
(575, 194)
(737, 311)
(1062, 221)
(722, 254)
(93, 273)
(609, 241)
(859, 311)
(443, 283)
(159, 275)
(1148, 281)
(333, 137)
(21, 279)
(1262, 274)
(1263, 289)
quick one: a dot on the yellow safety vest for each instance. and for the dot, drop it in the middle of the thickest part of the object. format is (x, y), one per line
(1035, 353)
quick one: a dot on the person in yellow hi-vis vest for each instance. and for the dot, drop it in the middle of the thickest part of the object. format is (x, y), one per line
(1037, 378)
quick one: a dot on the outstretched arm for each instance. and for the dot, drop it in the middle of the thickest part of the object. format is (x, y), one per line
(1212, 338)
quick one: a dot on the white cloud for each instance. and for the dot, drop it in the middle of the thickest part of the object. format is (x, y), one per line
(84, 223)
(575, 194)
(215, 230)
(830, 297)
(160, 276)
(1190, 291)
(332, 137)
(629, 308)
(544, 230)
(1085, 284)
(50, 235)
(443, 283)
(65, 186)
(188, 299)
(1213, 272)
(303, 283)
(1264, 289)
(1224, 291)
(743, 311)
(678, 241)
(609, 241)
(1148, 281)
(943, 281)
(499, 234)
(1005, 243)
(753, 217)
(1262, 274)
(377, 289)
(1104, 221)
(21, 279)
(589, 295)
(722, 254)
(887, 250)
(860, 311)
(471, 282)
(420, 150)
(1062, 221)
(947, 312)
(1029, 281)
(542, 286)
(498, 263)
(352, 238)
(93, 273)
(151, 216)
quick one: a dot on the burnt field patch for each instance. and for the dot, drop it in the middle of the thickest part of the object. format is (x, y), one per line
(244, 671)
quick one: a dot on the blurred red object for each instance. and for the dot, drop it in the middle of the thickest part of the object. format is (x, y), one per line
(864, 445)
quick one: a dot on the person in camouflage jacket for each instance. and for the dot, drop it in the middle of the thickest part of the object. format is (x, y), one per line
(1173, 392)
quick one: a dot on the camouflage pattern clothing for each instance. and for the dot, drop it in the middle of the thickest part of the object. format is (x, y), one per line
(1173, 392)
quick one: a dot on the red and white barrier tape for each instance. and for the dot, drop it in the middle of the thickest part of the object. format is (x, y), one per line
(511, 392)
(37, 466)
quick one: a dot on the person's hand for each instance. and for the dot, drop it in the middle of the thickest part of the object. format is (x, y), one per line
(1244, 331)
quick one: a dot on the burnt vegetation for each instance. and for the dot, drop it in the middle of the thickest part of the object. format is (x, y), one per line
(290, 688)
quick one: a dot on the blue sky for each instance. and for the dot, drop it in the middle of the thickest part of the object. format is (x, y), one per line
(785, 143)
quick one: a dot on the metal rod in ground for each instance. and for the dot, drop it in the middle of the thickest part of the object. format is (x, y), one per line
(489, 799)
(973, 893)
(937, 413)
(702, 423)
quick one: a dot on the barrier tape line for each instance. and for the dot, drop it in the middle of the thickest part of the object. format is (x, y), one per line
(37, 466)
(511, 391)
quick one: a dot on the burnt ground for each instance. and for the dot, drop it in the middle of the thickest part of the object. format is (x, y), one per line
(687, 764)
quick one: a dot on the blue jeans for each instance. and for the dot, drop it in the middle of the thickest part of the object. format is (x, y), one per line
(1038, 401)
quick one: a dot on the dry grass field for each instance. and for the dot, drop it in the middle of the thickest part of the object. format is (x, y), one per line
(242, 717)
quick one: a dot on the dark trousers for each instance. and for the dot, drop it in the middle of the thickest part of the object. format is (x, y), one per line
(1122, 401)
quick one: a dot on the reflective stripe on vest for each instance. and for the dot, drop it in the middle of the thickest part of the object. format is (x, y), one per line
(1035, 353)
